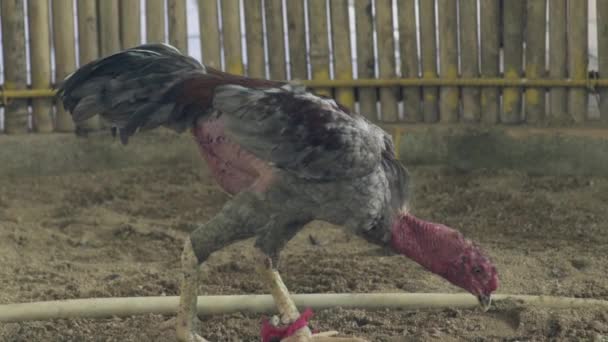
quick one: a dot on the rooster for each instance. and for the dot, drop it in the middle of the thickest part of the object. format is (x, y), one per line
(287, 157)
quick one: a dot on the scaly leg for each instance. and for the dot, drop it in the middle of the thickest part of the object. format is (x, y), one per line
(289, 313)
(186, 313)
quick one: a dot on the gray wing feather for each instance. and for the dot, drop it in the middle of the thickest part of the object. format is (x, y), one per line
(300, 132)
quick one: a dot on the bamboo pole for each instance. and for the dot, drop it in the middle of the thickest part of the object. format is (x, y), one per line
(319, 44)
(109, 33)
(155, 21)
(430, 107)
(577, 57)
(178, 24)
(87, 44)
(40, 51)
(255, 39)
(210, 34)
(489, 14)
(343, 65)
(513, 29)
(297, 39)
(402, 82)
(130, 23)
(232, 36)
(65, 54)
(409, 58)
(448, 51)
(276, 39)
(389, 97)
(558, 99)
(535, 58)
(602, 35)
(13, 31)
(469, 49)
(216, 305)
(365, 57)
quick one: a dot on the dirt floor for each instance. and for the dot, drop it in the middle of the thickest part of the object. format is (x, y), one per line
(120, 233)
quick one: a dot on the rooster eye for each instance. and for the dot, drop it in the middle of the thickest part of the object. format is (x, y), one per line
(476, 269)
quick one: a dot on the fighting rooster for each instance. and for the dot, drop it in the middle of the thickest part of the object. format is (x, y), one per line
(286, 155)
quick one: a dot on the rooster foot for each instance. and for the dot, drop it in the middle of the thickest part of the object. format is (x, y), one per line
(297, 324)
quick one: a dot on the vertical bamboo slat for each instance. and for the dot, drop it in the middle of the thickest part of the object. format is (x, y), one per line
(65, 54)
(87, 44)
(513, 29)
(535, 58)
(255, 38)
(210, 34)
(130, 23)
(276, 39)
(558, 99)
(429, 59)
(178, 24)
(389, 96)
(365, 57)
(232, 36)
(448, 58)
(13, 31)
(489, 14)
(409, 58)
(40, 51)
(109, 33)
(469, 49)
(577, 57)
(319, 44)
(343, 65)
(602, 35)
(297, 39)
(155, 21)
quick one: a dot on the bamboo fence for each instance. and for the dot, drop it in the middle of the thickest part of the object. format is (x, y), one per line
(491, 62)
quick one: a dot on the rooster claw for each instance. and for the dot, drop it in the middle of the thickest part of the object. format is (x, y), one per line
(327, 336)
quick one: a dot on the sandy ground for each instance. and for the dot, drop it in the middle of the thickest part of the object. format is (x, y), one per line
(120, 232)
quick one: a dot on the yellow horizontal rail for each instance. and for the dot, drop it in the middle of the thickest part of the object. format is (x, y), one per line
(403, 82)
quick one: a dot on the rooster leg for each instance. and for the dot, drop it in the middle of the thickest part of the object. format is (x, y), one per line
(289, 313)
(186, 313)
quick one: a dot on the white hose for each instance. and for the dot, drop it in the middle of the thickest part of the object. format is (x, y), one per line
(211, 305)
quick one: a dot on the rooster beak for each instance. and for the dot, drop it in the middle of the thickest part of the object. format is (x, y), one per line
(485, 302)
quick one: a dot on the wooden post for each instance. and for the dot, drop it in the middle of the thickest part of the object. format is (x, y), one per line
(489, 13)
(255, 39)
(429, 59)
(130, 23)
(409, 59)
(558, 99)
(471, 105)
(40, 51)
(155, 21)
(577, 58)
(513, 30)
(343, 65)
(297, 39)
(178, 25)
(448, 59)
(87, 43)
(535, 58)
(602, 35)
(365, 57)
(276, 39)
(389, 96)
(319, 44)
(109, 33)
(65, 54)
(210, 34)
(232, 36)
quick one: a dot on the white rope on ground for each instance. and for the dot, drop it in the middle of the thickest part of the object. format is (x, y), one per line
(213, 305)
